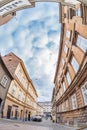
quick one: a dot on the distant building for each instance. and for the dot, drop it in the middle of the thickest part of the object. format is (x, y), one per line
(39, 109)
(47, 107)
(53, 105)
(5, 80)
(21, 99)
(71, 72)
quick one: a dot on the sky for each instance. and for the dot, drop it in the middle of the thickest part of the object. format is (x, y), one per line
(34, 36)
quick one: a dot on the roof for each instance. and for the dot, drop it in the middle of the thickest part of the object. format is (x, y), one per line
(1, 61)
(12, 61)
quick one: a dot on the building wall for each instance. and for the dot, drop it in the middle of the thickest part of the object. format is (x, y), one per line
(71, 73)
(21, 99)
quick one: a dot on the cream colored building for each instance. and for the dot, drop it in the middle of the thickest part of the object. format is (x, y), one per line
(21, 101)
(39, 109)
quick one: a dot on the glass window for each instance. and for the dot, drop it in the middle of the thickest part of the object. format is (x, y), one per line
(78, 12)
(71, 1)
(84, 92)
(60, 91)
(82, 43)
(67, 105)
(68, 78)
(74, 64)
(23, 98)
(64, 87)
(4, 80)
(19, 74)
(68, 34)
(13, 90)
(73, 99)
(19, 95)
(65, 49)
(63, 61)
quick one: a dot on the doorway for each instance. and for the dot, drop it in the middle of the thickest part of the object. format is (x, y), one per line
(9, 112)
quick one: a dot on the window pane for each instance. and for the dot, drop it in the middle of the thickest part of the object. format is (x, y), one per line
(4, 81)
(13, 90)
(63, 61)
(84, 92)
(64, 87)
(75, 64)
(73, 99)
(82, 43)
(65, 49)
(68, 34)
(71, 1)
(68, 78)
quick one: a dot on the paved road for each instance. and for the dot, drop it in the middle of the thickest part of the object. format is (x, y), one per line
(19, 125)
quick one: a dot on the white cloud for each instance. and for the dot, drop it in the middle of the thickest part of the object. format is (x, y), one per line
(33, 35)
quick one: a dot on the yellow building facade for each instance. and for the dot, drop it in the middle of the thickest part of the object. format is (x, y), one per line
(21, 101)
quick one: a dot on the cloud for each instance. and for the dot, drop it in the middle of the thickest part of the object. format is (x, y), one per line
(34, 35)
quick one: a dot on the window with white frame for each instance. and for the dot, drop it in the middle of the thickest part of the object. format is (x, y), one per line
(19, 94)
(4, 80)
(84, 92)
(65, 49)
(61, 91)
(63, 61)
(63, 106)
(74, 64)
(19, 74)
(23, 98)
(67, 105)
(68, 34)
(68, 78)
(13, 90)
(64, 87)
(73, 99)
(82, 43)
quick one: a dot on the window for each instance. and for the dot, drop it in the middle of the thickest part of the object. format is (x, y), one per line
(61, 91)
(78, 12)
(74, 64)
(63, 61)
(67, 105)
(65, 49)
(13, 90)
(84, 92)
(19, 74)
(73, 99)
(64, 87)
(82, 43)
(4, 80)
(68, 78)
(23, 98)
(19, 95)
(68, 34)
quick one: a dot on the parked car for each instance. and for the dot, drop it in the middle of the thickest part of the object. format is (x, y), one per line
(36, 118)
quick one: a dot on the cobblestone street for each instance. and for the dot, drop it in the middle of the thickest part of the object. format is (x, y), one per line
(19, 125)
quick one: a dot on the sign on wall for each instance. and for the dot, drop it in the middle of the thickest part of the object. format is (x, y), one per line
(13, 5)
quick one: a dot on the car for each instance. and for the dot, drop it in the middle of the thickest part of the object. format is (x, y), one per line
(36, 118)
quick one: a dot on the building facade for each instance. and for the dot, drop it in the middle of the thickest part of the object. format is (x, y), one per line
(71, 72)
(53, 112)
(21, 99)
(5, 80)
(47, 108)
(39, 110)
